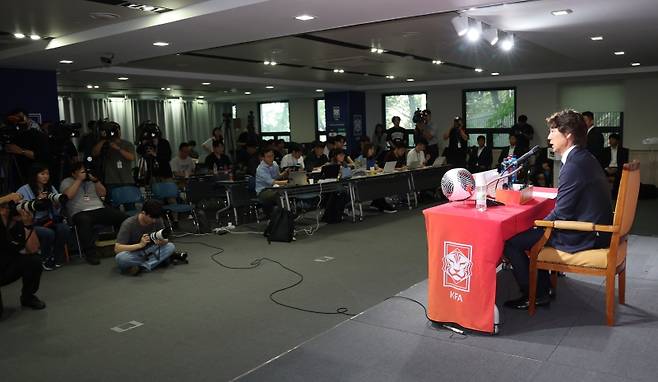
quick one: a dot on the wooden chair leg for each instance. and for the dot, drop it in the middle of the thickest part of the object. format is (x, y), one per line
(610, 299)
(532, 286)
(622, 287)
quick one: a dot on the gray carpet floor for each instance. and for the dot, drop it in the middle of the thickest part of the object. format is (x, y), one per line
(202, 322)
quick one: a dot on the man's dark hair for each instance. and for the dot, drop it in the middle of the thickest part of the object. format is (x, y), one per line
(339, 138)
(394, 118)
(77, 165)
(183, 145)
(588, 114)
(280, 140)
(399, 144)
(523, 118)
(217, 143)
(331, 140)
(293, 146)
(428, 111)
(482, 137)
(266, 150)
(335, 152)
(153, 208)
(319, 144)
(192, 143)
(364, 138)
(251, 143)
(569, 122)
(421, 141)
(614, 136)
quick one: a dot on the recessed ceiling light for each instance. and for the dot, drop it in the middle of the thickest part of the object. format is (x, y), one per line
(65, 61)
(269, 87)
(168, 89)
(460, 23)
(390, 77)
(161, 43)
(437, 62)
(339, 71)
(271, 63)
(596, 38)
(19, 35)
(247, 93)
(507, 44)
(162, 88)
(205, 83)
(479, 70)
(635, 64)
(620, 53)
(90, 86)
(96, 86)
(319, 90)
(122, 78)
(410, 80)
(495, 74)
(562, 12)
(35, 37)
(376, 50)
(201, 97)
(304, 17)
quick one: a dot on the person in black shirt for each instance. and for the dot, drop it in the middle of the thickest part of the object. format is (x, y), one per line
(248, 160)
(18, 247)
(396, 133)
(397, 154)
(316, 158)
(480, 156)
(217, 160)
(457, 143)
(156, 152)
(248, 136)
(524, 132)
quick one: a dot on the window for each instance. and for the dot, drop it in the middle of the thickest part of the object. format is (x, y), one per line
(489, 112)
(403, 106)
(320, 120)
(275, 120)
(609, 122)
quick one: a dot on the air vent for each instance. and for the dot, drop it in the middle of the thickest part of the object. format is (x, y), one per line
(134, 5)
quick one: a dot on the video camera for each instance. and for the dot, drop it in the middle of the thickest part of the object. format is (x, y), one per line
(8, 134)
(63, 131)
(419, 115)
(150, 130)
(108, 130)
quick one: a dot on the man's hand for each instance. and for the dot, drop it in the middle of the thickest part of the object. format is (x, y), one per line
(160, 243)
(42, 195)
(80, 175)
(115, 146)
(14, 197)
(145, 241)
(14, 149)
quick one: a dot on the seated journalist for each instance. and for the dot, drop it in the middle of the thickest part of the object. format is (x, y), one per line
(583, 195)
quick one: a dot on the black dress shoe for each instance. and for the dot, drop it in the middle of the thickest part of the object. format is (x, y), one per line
(32, 302)
(523, 303)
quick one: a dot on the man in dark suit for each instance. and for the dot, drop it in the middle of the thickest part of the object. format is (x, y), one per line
(614, 158)
(583, 195)
(594, 137)
(480, 156)
(513, 149)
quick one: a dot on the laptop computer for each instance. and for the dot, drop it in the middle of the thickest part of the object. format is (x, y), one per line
(297, 178)
(414, 165)
(389, 167)
(439, 161)
(330, 171)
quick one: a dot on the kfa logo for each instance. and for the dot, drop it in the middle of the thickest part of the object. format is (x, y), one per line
(457, 266)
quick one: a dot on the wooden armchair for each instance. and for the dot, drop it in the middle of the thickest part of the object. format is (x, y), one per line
(606, 262)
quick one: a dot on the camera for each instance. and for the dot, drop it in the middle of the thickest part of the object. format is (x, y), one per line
(108, 130)
(89, 168)
(57, 198)
(31, 206)
(150, 130)
(8, 134)
(63, 131)
(162, 234)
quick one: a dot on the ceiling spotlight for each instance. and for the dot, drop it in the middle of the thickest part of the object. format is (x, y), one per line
(495, 74)
(596, 38)
(437, 62)
(474, 31)
(19, 35)
(271, 63)
(266, 62)
(619, 53)
(65, 61)
(562, 12)
(162, 88)
(201, 97)
(491, 35)
(269, 87)
(460, 23)
(410, 80)
(507, 44)
(376, 50)
(247, 93)
(122, 78)
(339, 71)
(635, 64)
(390, 77)
(304, 17)
(205, 83)
(161, 43)
(148, 8)
(35, 37)
(90, 86)
(319, 90)
(168, 89)
(96, 86)
(479, 70)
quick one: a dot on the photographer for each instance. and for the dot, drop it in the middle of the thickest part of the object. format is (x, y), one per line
(86, 208)
(457, 143)
(155, 152)
(135, 250)
(49, 225)
(115, 156)
(62, 148)
(18, 248)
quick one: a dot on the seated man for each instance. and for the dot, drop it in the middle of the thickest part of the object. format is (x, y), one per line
(135, 250)
(294, 157)
(583, 195)
(86, 208)
(217, 160)
(248, 160)
(397, 154)
(480, 156)
(417, 154)
(183, 164)
(268, 175)
(614, 158)
(19, 245)
(317, 157)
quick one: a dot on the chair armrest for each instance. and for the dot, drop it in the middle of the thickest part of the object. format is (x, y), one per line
(544, 223)
(576, 225)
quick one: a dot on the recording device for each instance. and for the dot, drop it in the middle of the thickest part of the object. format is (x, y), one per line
(150, 130)
(162, 234)
(8, 134)
(89, 168)
(509, 162)
(457, 184)
(418, 116)
(63, 131)
(30, 206)
(108, 130)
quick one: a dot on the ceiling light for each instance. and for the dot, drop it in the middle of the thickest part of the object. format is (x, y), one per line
(437, 62)
(96, 86)
(19, 35)
(266, 62)
(205, 83)
(479, 70)
(162, 88)
(460, 23)
(247, 93)
(474, 31)
(148, 8)
(90, 86)
(619, 53)
(596, 38)
(304, 17)
(491, 35)
(122, 78)
(319, 90)
(390, 77)
(376, 50)
(339, 71)
(495, 74)
(562, 12)
(507, 44)
(35, 37)
(635, 64)
(272, 63)
(65, 61)
(201, 97)
(160, 43)
(168, 89)
(269, 87)
(410, 80)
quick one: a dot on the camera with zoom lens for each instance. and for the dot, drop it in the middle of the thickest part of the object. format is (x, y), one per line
(150, 130)
(63, 131)
(30, 206)
(162, 234)
(108, 130)
(8, 134)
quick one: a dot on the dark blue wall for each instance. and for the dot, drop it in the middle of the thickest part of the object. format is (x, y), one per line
(35, 91)
(345, 114)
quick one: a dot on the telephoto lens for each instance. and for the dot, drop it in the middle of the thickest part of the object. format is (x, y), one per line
(57, 198)
(162, 234)
(33, 206)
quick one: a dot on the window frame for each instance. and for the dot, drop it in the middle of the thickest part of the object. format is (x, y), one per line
(273, 134)
(489, 133)
(410, 130)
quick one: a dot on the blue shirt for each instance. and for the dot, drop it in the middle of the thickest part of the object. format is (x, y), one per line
(27, 193)
(266, 175)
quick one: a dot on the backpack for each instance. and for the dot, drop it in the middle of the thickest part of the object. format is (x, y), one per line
(333, 210)
(281, 226)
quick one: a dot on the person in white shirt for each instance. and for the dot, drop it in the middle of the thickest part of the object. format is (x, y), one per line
(216, 136)
(183, 165)
(417, 154)
(294, 157)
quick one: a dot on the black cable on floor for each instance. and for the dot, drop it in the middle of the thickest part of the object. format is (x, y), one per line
(455, 331)
(255, 264)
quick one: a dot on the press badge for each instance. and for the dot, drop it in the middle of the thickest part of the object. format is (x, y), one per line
(86, 198)
(119, 164)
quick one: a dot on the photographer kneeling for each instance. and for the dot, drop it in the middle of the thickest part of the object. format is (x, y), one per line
(18, 252)
(86, 208)
(142, 241)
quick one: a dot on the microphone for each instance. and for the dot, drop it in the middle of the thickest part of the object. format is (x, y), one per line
(522, 159)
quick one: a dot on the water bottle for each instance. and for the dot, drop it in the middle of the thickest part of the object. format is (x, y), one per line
(480, 193)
